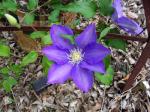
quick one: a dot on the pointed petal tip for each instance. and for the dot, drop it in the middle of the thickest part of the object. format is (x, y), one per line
(86, 37)
(56, 32)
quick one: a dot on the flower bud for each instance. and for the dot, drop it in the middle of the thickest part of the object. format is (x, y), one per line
(12, 20)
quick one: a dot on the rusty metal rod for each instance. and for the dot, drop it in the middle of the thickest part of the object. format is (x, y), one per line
(139, 65)
(46, 28)
(145, 53)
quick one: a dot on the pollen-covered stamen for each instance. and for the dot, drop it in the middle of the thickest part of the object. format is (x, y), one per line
(75, 56)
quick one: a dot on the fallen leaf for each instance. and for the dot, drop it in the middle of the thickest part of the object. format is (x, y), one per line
(67, 18)
(26, 43)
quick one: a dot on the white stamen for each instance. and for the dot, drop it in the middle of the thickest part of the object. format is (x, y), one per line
(75, 56)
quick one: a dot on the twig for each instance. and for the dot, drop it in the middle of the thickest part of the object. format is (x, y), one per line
(36, 9)
(17, 107)
(103, 99)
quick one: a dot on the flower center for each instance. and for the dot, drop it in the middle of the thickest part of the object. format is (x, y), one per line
(75, 56)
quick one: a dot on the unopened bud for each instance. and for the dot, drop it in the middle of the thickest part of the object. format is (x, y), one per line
(12, 20)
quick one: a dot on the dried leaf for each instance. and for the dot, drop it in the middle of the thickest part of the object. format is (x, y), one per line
(26, 43)
(68, 18)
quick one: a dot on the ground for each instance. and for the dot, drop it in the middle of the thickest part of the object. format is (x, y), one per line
(66, 97)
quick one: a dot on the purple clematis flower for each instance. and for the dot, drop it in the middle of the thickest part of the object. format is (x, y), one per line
(76, 61)
(123, 22)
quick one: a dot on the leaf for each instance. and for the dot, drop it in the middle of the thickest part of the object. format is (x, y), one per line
(104, 32)
(117, 43)
(10, 5)
(105, 7)
(86, 8)
(46, 64)
(4, 70)
(32, 4)
(54, 16)
(4, 51)
(107, 61)
(16, 69)
(29, 18)
(69, 18)
(26, 43)
(107, 78)
(29, 58)
(46, 40)
(9, 83)
(38, 34)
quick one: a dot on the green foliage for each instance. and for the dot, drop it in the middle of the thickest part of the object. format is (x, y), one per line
(46, 40)
(106, 78)
(46, 64)
(29, 18)
(104, 32)
(9, 83)
(44, 36)
(116, 43)
(4, 51)
(38, 34)
(107, 61)
(29, 58)
(86, 8)
(105, 7)
(53, 17)
(16, 69)
(4, 70)
(9, 5)
(32, 4)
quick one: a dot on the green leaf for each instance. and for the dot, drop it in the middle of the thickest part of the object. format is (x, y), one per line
(107, 78)
(16, 69)
(32, 4)
(38, 34)
(4, 51)
(54, 16)
(46, 40)
(29, 18)
(105, 7)
(4, 70)
(46, 64)
(104, 32)
(10, 5)
(86, 8)
(117, 43)
(107, 61)
(29, 58)
(9, 83)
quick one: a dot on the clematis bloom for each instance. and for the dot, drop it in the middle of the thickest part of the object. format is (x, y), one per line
(76, 61)
(123, 22)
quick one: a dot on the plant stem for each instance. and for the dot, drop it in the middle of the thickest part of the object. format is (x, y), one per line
(46, 3)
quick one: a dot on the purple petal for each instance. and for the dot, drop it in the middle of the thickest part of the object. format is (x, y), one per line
(56, 33)
(83, 78)
(98, 67)
(129, 25)
(118, 9)
(88, 36)
(59, 73)
(94, 53)
(55, 54)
